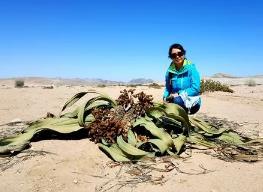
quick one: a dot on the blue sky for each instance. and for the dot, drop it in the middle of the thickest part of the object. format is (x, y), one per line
(125, 39)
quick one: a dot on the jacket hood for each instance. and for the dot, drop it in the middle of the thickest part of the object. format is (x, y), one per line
(187, 64)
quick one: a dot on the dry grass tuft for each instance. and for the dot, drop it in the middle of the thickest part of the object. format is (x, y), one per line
(19, 83)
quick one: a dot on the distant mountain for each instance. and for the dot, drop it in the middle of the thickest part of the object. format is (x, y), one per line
(234, 81)
(257, 76)
(103, 82)
(78, 81)
(66, 81)
(45, 81)
(223, 75)
(140, 81)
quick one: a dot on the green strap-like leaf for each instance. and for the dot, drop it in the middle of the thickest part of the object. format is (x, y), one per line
(130, 149)
(90, 104)
(155, 112)
(231, 138)
(19, 142)
(176, 110)
(114, 153)
(172, 111)
(160, 144)
(198, 139)
(154, 130)
(171, 153)
(132, 138)
(206, 127)
(179, 142)
(75, 98)
(73, 114)
(178, 113)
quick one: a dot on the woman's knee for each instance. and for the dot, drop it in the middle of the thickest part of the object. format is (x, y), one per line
(179, 101)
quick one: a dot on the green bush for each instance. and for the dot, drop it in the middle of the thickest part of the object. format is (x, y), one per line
(19, 83)
(251, 83)
(132, 85)
(155, 86)
(211, 86)
(101, 85)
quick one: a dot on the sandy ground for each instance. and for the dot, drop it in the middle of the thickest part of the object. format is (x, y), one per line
(78, 165)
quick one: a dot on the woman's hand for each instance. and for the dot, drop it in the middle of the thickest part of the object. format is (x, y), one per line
(174, 95)
(170, 98)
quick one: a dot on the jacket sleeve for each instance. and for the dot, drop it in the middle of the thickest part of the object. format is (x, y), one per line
(167, 88)
(194, 89)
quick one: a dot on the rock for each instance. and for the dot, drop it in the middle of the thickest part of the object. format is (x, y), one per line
(75, 181)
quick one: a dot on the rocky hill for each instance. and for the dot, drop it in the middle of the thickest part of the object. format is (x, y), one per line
(75, 81)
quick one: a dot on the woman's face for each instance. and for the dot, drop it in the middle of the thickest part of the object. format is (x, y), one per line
(177, 56)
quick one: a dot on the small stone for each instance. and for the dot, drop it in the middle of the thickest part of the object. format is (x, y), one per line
(75, 181)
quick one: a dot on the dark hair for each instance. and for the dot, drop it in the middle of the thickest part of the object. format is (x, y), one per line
(176, 46)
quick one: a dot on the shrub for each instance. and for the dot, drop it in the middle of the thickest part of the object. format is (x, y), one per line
(155, 86)
(211, 86)
(251, 83)
(48, 87)
(101, 85)
(19, 83)
(132, 85)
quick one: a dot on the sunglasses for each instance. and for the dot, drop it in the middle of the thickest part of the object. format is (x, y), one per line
(174, 55)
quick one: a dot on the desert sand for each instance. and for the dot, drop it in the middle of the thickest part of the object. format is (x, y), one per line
(79, 165)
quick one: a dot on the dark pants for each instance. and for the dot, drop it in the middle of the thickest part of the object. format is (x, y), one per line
(178, 100)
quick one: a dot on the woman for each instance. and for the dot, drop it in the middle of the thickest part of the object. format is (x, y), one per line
(182, 81)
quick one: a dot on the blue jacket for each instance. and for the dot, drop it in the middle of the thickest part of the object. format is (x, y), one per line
(186, 81)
